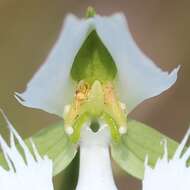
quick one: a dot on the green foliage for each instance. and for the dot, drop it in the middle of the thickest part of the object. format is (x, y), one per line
(140, 141)
(93, 61)
(52, 141)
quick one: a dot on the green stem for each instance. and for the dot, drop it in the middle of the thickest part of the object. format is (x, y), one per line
(70, 176)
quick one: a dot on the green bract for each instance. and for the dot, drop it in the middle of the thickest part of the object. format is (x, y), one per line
(93, 61)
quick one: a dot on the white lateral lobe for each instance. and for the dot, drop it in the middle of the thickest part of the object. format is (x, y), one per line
(31, 173)
(169, 174)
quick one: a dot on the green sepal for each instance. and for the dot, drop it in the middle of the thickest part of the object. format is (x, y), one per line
(53, 142)
(140, 141)
(93, 61)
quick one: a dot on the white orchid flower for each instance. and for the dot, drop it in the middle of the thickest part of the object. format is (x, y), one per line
(94, 49)
(170, 174)
(28, 172)
(95, 73)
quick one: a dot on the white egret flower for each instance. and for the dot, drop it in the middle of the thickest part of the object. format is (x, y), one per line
(28, 172)
(125, 73)
(170, 174)
(95, 71)
(95, 165)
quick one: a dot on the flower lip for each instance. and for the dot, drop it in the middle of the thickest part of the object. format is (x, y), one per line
(95, 165)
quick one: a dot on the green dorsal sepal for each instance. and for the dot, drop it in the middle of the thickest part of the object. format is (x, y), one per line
(90, 12)
(93, 62)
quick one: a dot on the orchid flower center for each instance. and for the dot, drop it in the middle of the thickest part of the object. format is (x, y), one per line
(95, 102)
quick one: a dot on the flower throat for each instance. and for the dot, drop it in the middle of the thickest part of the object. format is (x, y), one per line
(95, 102)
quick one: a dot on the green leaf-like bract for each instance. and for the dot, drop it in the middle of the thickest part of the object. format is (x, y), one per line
(93, 61)
(53, 142)
(139, 142)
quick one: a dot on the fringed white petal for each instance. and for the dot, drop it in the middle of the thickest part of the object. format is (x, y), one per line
(28, 172)
(170, 174)
(95, 165)
(138, 78)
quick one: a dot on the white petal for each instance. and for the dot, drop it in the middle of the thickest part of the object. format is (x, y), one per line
(169, 174)
(51, 88)
(31, 173)
(95, 166)
(138, 77)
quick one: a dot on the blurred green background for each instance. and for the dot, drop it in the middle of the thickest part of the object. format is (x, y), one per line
(28, 29)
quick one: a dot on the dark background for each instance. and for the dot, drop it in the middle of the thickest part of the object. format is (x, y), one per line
(161, 28)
